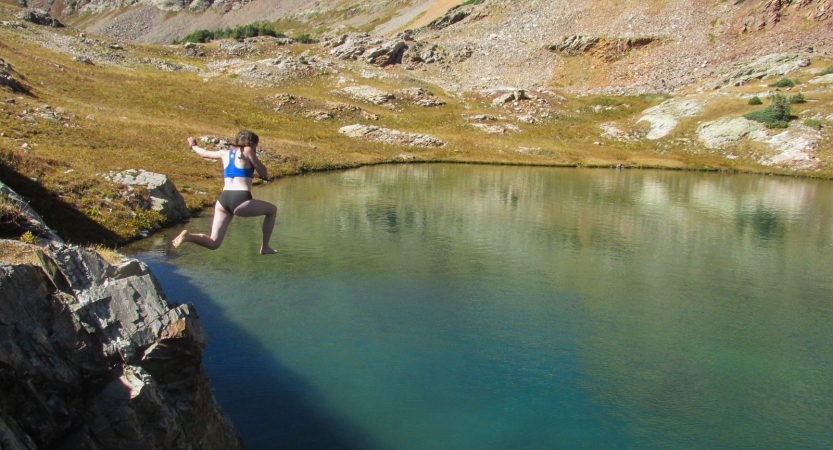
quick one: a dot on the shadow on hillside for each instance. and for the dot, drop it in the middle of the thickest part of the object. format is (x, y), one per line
(70, 224)
(271, 406)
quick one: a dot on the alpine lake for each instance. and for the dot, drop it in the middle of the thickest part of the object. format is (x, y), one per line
(450, 306)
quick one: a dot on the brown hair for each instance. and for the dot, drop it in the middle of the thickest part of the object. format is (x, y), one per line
(246, 138)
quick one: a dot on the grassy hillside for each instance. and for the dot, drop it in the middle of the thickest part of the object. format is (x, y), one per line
(79, 120)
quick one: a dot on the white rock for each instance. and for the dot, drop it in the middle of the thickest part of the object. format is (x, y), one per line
(826, 79)
(728, 130)
(664, 117)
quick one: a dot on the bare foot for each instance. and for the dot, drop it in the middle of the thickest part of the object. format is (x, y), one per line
(179, 239)
(268, 251)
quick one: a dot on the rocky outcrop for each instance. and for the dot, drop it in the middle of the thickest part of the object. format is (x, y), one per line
(164, 196)
(372, 49)
(824, 79)
(665, 116)
(769, 13)
(770, 65)
(26, 218)
(387, 136)
(450, 18)
(39, 18)
(729, 130)
(367, 94)
(419, 97)
(381, 52)
(794, 148)
(7, 78)
(607, 49)
(94, 357)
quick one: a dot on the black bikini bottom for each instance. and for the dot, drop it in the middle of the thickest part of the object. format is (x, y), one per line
(230, 200)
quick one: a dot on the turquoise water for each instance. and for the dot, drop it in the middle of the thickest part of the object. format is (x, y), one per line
(479, 307)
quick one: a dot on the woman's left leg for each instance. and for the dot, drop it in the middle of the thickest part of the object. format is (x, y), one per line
(222, 219)
(253, 208)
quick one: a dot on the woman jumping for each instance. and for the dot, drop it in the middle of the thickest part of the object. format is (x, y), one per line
(239, 164)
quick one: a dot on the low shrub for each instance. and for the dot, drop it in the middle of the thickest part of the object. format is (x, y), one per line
(241, 32)
(783, 82)
(305, 39)
(756, 101)
(813, 123)
(798, 98)
(826, 71)
(776, 115)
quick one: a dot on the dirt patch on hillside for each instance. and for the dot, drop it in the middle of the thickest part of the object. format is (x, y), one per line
(434, 11)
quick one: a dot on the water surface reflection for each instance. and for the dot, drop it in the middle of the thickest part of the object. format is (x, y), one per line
(454, 306)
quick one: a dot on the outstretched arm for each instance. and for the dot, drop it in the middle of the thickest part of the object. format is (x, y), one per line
(251, 154)
(212, 154)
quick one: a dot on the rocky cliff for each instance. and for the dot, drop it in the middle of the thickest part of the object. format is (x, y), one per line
(93, 356)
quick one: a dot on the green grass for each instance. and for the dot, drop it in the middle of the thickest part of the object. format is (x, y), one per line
(139, 119)
(813, 123)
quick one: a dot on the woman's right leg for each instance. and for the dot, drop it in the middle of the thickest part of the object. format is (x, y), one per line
(222, 219)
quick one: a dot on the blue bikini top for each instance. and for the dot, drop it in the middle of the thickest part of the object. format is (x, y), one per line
(232, 171)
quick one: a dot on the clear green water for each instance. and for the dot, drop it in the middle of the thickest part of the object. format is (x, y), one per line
(478, 307)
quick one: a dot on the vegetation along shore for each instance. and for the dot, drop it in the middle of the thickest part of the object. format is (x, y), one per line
(88, 109)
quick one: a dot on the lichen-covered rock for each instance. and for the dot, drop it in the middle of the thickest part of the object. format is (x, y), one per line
(93, 356)
(729, 130)
(770, 65)
(824, 79)
(665, 116)
(794, 148)
(367, 94)
(164, 196)
(379, 134)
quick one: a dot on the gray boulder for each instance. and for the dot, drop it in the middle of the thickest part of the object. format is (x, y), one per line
(164, 196)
